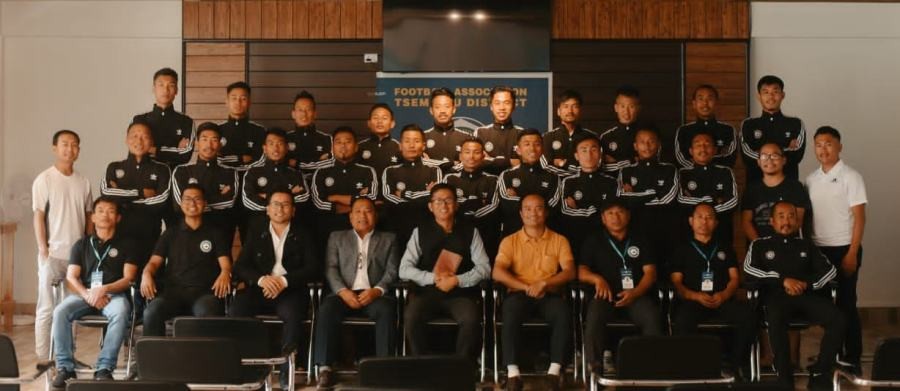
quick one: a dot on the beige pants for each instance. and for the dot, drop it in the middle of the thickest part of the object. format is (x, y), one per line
(49, 270)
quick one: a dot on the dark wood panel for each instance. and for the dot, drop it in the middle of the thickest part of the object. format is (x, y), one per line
(301, 19)
(313, 79)
(285, 20)
(263, 111)
(314, 48)
(214, 49)
(344, 95)
(335, 63)
(212, 79)
(214, 63)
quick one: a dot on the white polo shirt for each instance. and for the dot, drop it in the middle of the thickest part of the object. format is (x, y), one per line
(832, 195)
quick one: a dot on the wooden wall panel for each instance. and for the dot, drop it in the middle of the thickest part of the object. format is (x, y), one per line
(209, 68)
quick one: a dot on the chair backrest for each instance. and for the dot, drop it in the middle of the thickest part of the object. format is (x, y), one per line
(420, 372)
(250, 335)
(189, 360)
(9, 366)
(142, 385)
(886, 363)
(670, 358)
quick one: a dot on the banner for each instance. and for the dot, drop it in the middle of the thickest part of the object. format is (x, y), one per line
(408, 95)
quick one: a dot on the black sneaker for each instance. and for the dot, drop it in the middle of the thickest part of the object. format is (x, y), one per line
(62, 376)
(820, 381)
(103, 374)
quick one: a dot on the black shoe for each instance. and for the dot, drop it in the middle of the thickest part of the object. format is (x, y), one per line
(103, 374)
(326, 381)
(514, 383)
(819, 381)
(62, 376)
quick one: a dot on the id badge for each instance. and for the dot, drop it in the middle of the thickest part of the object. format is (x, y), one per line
(96, 279)
(706, 284)
(627, 279)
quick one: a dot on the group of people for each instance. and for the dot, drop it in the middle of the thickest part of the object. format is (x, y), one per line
(446, 211)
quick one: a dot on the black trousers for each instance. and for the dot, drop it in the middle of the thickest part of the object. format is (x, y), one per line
(291, 306)
(643, 312)
(688, 314)
(781, 308)
(517, 308)
(431, 303)
(846, 301)
(382, 310)
(179, 301)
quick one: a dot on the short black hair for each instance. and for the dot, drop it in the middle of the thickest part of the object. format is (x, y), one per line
(646, 126)
(769, 80)
(628, 91)
(277, 132)
(343, 129)
(442, 186)
(106, 199)
(706, 87)
(475, 140)
(195, 186)
(66, 131)
(304, 94)
(569, 94)
(277, 191)
(586, 136)
(412, 128)
(529, 132)
(136, 122)
(780, 149)
(358, 198)
(238, 84)
(497, 89)
(828, 130)
(442, 91)
(709, 204)
(166, 72)
(381, 106)
(532, 194)
(208, 126)
(703, 133)
(614, 202)
(782, 202)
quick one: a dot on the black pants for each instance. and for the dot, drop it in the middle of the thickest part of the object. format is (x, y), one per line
(179, 301)
(518, 308)
(643, 312)
(291, 306)
(742, 318)
(431, 303)
(781, 308)
(328, 326)
(846, 301)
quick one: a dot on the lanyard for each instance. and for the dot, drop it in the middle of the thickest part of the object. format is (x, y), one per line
(619, 253)
(96, 254)
(707, 258)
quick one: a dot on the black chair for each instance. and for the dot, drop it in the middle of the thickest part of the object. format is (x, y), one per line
(885, 368)
(251, 336)
(666, 361)
(437, 373)
(731, 387)
(92, 385)
(10, 378)
(449, 322)
(200, 363)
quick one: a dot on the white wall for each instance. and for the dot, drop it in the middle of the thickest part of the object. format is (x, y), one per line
(81, 65)
(841, 67)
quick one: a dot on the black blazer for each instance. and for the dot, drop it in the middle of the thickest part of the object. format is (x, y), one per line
(258, 256)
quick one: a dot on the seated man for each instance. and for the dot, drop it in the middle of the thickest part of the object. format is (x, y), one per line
(360, 264)
(535, 264)
(788, 270)
(705, 276)
(276, 263)
(620, 264)
(105, 263)
(446, 259)
(197, 268)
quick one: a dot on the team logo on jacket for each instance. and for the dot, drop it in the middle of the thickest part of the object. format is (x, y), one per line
(192, 181)
(318, 148)
(803, 254)
(262, 181)
(660, 182)
(719, 186)
(757, 134)
(178, 132)
(249, 144)
(120, 173)
(721, 255)
(393, 159)
(720, 143)
(359, 185)
(224, 141)
(516, 182)
(613, 146)
(292, 146)
(557, 144)
(787, 134)
(366, 154)
(578, 195)
(633, 251)
(206, 246)
(401, 186)
(692, 185)
(770, 255)
(458, 148)
(114, 252)
(329, 181)
(152, 177)
(429, 143)
(545, 184)
(460, 193)
(634, 181)
(489, 146)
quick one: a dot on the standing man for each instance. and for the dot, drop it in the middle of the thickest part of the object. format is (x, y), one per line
(308, 147)
(838, 196)
(242, 139)
(761, 195)
(275, 175)
(361, 263)
(476, 195)
(100, 273)
(535, 264)
(559, 149)
(443, 140)
(772, 126)
(617, 142)
(380, 150)
(173, 132)
(61, 201)
(446, 260)
(531, 176)
(706, 182)
(406, 186)
(704, 102)
(197, 269)
(500, 137)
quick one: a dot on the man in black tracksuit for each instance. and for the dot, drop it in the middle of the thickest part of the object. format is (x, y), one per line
(242, 139)
(724, 137)
(772, 126)
(617, 143)
(559, 147)
(380, 150)
(788, 271)
(173, 132)
(706, 182)
(308, 147)
(501, 136)
(476, 195)
(443, 140)
(274, 175)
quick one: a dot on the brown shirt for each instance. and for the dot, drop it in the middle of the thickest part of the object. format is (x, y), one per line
(534, 259)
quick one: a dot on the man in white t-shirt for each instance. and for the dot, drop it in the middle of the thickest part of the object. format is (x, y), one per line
(838, 197)
(61, 201)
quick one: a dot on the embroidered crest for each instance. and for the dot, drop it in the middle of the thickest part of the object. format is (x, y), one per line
(721, 255)
(401, 186)
(224, 141)
(262, 181)
(557, 144)
(613, 146)
(578, 195)
(206, 246)
(366, 154)
(516, 182)
(633, 251)
(489, 146)
(120, 173)
(757, 134)
(770, 255)
(114, 252)
(429, 143)
(192, 181)
(292, 146)
(692, 185)
(329, 181)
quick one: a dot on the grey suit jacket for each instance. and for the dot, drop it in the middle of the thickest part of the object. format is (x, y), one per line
(342, 252)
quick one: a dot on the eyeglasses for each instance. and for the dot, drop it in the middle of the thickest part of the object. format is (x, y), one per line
(443, 201)
(770, 156)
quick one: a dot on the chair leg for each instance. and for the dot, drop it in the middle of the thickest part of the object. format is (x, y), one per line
(496, 354)
(292, 364)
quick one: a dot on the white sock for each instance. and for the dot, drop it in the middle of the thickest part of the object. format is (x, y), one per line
(512, 371)
(324, 368)
(554, 369)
